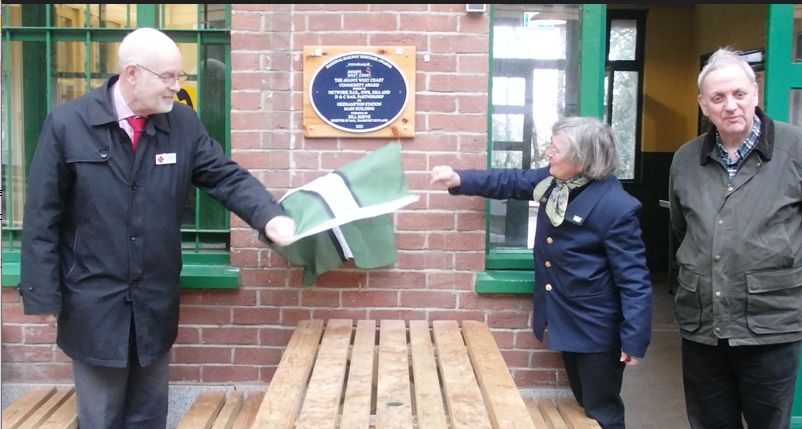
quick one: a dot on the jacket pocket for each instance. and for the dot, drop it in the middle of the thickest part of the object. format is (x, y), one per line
(687, 305)
(774, 301)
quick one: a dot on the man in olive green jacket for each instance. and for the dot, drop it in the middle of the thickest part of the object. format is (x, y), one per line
(736, 195)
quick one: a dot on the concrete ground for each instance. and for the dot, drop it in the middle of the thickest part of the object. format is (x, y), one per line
(652, 391)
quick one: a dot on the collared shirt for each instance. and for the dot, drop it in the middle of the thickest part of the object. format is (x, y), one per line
(122, 109)
(743, 150)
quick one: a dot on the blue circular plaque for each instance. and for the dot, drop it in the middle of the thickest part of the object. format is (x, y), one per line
(358, 92)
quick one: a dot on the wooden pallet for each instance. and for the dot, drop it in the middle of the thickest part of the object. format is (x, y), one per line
(42, 408)
(403, 375)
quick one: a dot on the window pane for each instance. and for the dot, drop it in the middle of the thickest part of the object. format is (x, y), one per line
(25, 92)
(12, 15)
(508, 128)
(535, 81)
(506, 159)
(549, 91)
(795, 110)
(69, 15)
(213, 99)
(213, 16)
(69, 66)
(509, 91)
(112, 15)
(104, 62)
(532, 31)
(180, 16)
(797, 34)
(623, 39)
(625, 116)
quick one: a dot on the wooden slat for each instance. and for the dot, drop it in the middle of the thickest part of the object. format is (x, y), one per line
(356, 405)
(534, 414)
(322, 402)
(504, 402)
(65, 417)
(44, 411)
(393, 397)
(428, 396)
(551, 414)
(574, 415)
(22, 408)
(464, 399)
(285, 391)
(203, 410)
(225, 419)
(247, 413)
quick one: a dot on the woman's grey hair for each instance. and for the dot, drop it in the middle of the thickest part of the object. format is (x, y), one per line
(724, 57)
(590, 144)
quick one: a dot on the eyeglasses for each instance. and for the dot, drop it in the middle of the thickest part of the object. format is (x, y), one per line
(167, 78)
(552, 148)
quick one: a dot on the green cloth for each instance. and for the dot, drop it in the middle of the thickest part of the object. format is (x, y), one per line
(354, 202)
(558, 200)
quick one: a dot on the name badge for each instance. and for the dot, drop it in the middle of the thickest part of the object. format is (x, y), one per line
(165, 158)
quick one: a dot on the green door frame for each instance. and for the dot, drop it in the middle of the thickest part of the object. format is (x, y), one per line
(782, 75)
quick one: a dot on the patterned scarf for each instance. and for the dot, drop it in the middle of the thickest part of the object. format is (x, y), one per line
(558, 200)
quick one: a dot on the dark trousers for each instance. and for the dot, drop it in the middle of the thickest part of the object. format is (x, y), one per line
(122, 398)
(724, 384)
(595, 380)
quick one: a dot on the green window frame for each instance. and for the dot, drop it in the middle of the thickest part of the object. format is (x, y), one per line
(783, 81)
(75, 51)
(510, 270)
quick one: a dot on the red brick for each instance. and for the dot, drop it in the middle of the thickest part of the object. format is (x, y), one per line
(226, 335)
(27, 353)
(370, 298)
(255, 316)
(40, 334)
(257, 356)
(532, 378)
(196, 315)
(275, 336)
(12, 334)
(188, 373)
(508, 319)
(314, 298)
(228, 373)
(201, 355)
(426, 299)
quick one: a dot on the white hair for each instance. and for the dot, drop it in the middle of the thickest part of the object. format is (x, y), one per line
(724, 57)
(141, 45)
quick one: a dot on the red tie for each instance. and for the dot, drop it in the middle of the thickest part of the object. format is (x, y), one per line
(138, 124)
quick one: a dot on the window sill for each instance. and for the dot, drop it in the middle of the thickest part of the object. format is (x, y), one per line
(201, 271)
(505, 281)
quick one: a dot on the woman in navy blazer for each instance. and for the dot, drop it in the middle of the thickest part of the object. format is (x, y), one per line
(592, 287)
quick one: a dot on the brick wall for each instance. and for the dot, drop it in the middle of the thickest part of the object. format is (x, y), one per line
(237, 336)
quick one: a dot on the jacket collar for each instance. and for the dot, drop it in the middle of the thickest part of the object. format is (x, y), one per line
(764, 145)
(579, 208)
(101, 109)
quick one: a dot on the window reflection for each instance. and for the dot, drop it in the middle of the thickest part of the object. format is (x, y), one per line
(535, 81)
(70, 71)
(623, 39)
(76, 15)
(625, 119)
